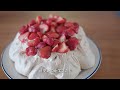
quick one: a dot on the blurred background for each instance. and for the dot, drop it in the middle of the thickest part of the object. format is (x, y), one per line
(102, 26)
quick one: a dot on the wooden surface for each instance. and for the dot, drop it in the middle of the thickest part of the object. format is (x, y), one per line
(102, 27)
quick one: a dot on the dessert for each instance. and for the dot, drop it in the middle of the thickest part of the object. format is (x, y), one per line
(51, 48)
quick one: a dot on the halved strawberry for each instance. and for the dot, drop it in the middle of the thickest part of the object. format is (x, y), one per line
(41, 45)
(24, 37)
(32, 22)
(72, 43)
(56, 41)
(63, 48)
(62, 38)
(38, 19)
(52, 34)
(44, 28)
(60, 20)
(40, 35)
(45, 52)
(48, 22)
(56, 48)
(68, 24)
(70, 32)
(34, 28)
(23, 29)
(31, 51)
(33, 42)
(33, 36)
(61, 29)
(47, 40)
(52, 28)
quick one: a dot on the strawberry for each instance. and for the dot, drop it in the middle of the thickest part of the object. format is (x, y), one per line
(34, 28)
(23, 29)
(76, 27)
(47, 40)
(56, 48)
(45, 52)
(39, 34)
(32, 22)
(62, 38)
(72, 43)
(60, 20)
(61, 29)
(41, 45)
(70, 32)
(56, 41)
(69, 24)
(52, 28)
(33, 42)
(63, 48)
(52, 34)
(24, 37)
(44, 28)
(38, 19)
(33, 36)
(31, 51)
(48, 22)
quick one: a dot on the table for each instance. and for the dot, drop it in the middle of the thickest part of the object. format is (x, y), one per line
(102, 26)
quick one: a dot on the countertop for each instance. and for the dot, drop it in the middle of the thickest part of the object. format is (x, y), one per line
(102, 26)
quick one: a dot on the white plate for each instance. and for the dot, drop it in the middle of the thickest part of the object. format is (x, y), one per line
(9, 70)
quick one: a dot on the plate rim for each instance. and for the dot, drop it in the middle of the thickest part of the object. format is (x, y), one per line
(88, 77)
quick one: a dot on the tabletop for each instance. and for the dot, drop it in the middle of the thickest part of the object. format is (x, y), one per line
(102, 26)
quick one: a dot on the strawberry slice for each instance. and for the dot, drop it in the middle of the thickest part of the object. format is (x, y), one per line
(38, 19)
(41, 45)
(62, 38)
(70, 32)
(31, 51)
(56, 41)
(69, 24)
(24, 37)
(72, 43)
(33, 42)
(44, 28)
(40, 35)
(23, 29)
(32, 22)
(34, 28)
(63, 48)
(60, 20)
(56, 48)
(33, 36)
(52, 29)
(61, 29)
(45, 52)
(47, 40)
(52, 34)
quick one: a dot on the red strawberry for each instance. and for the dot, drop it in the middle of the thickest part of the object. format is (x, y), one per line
(34, 28)
(52, 28)
(56, 48)
(62, 38)
(45, 52)
(60, 20)
(69, 24)
(44, 28)
(76, 27)
(32, 36)
(23, 29)
(52, 34)
(70, 32)
(41, 45)
(39, 34)
(24, 37)
(31, 51)
(33, 42)
(56, 41)
(72, 43)
(63, 48)
(47, 40)
(38, 19)
(32, 22)
(49, 21)
(61, 29)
